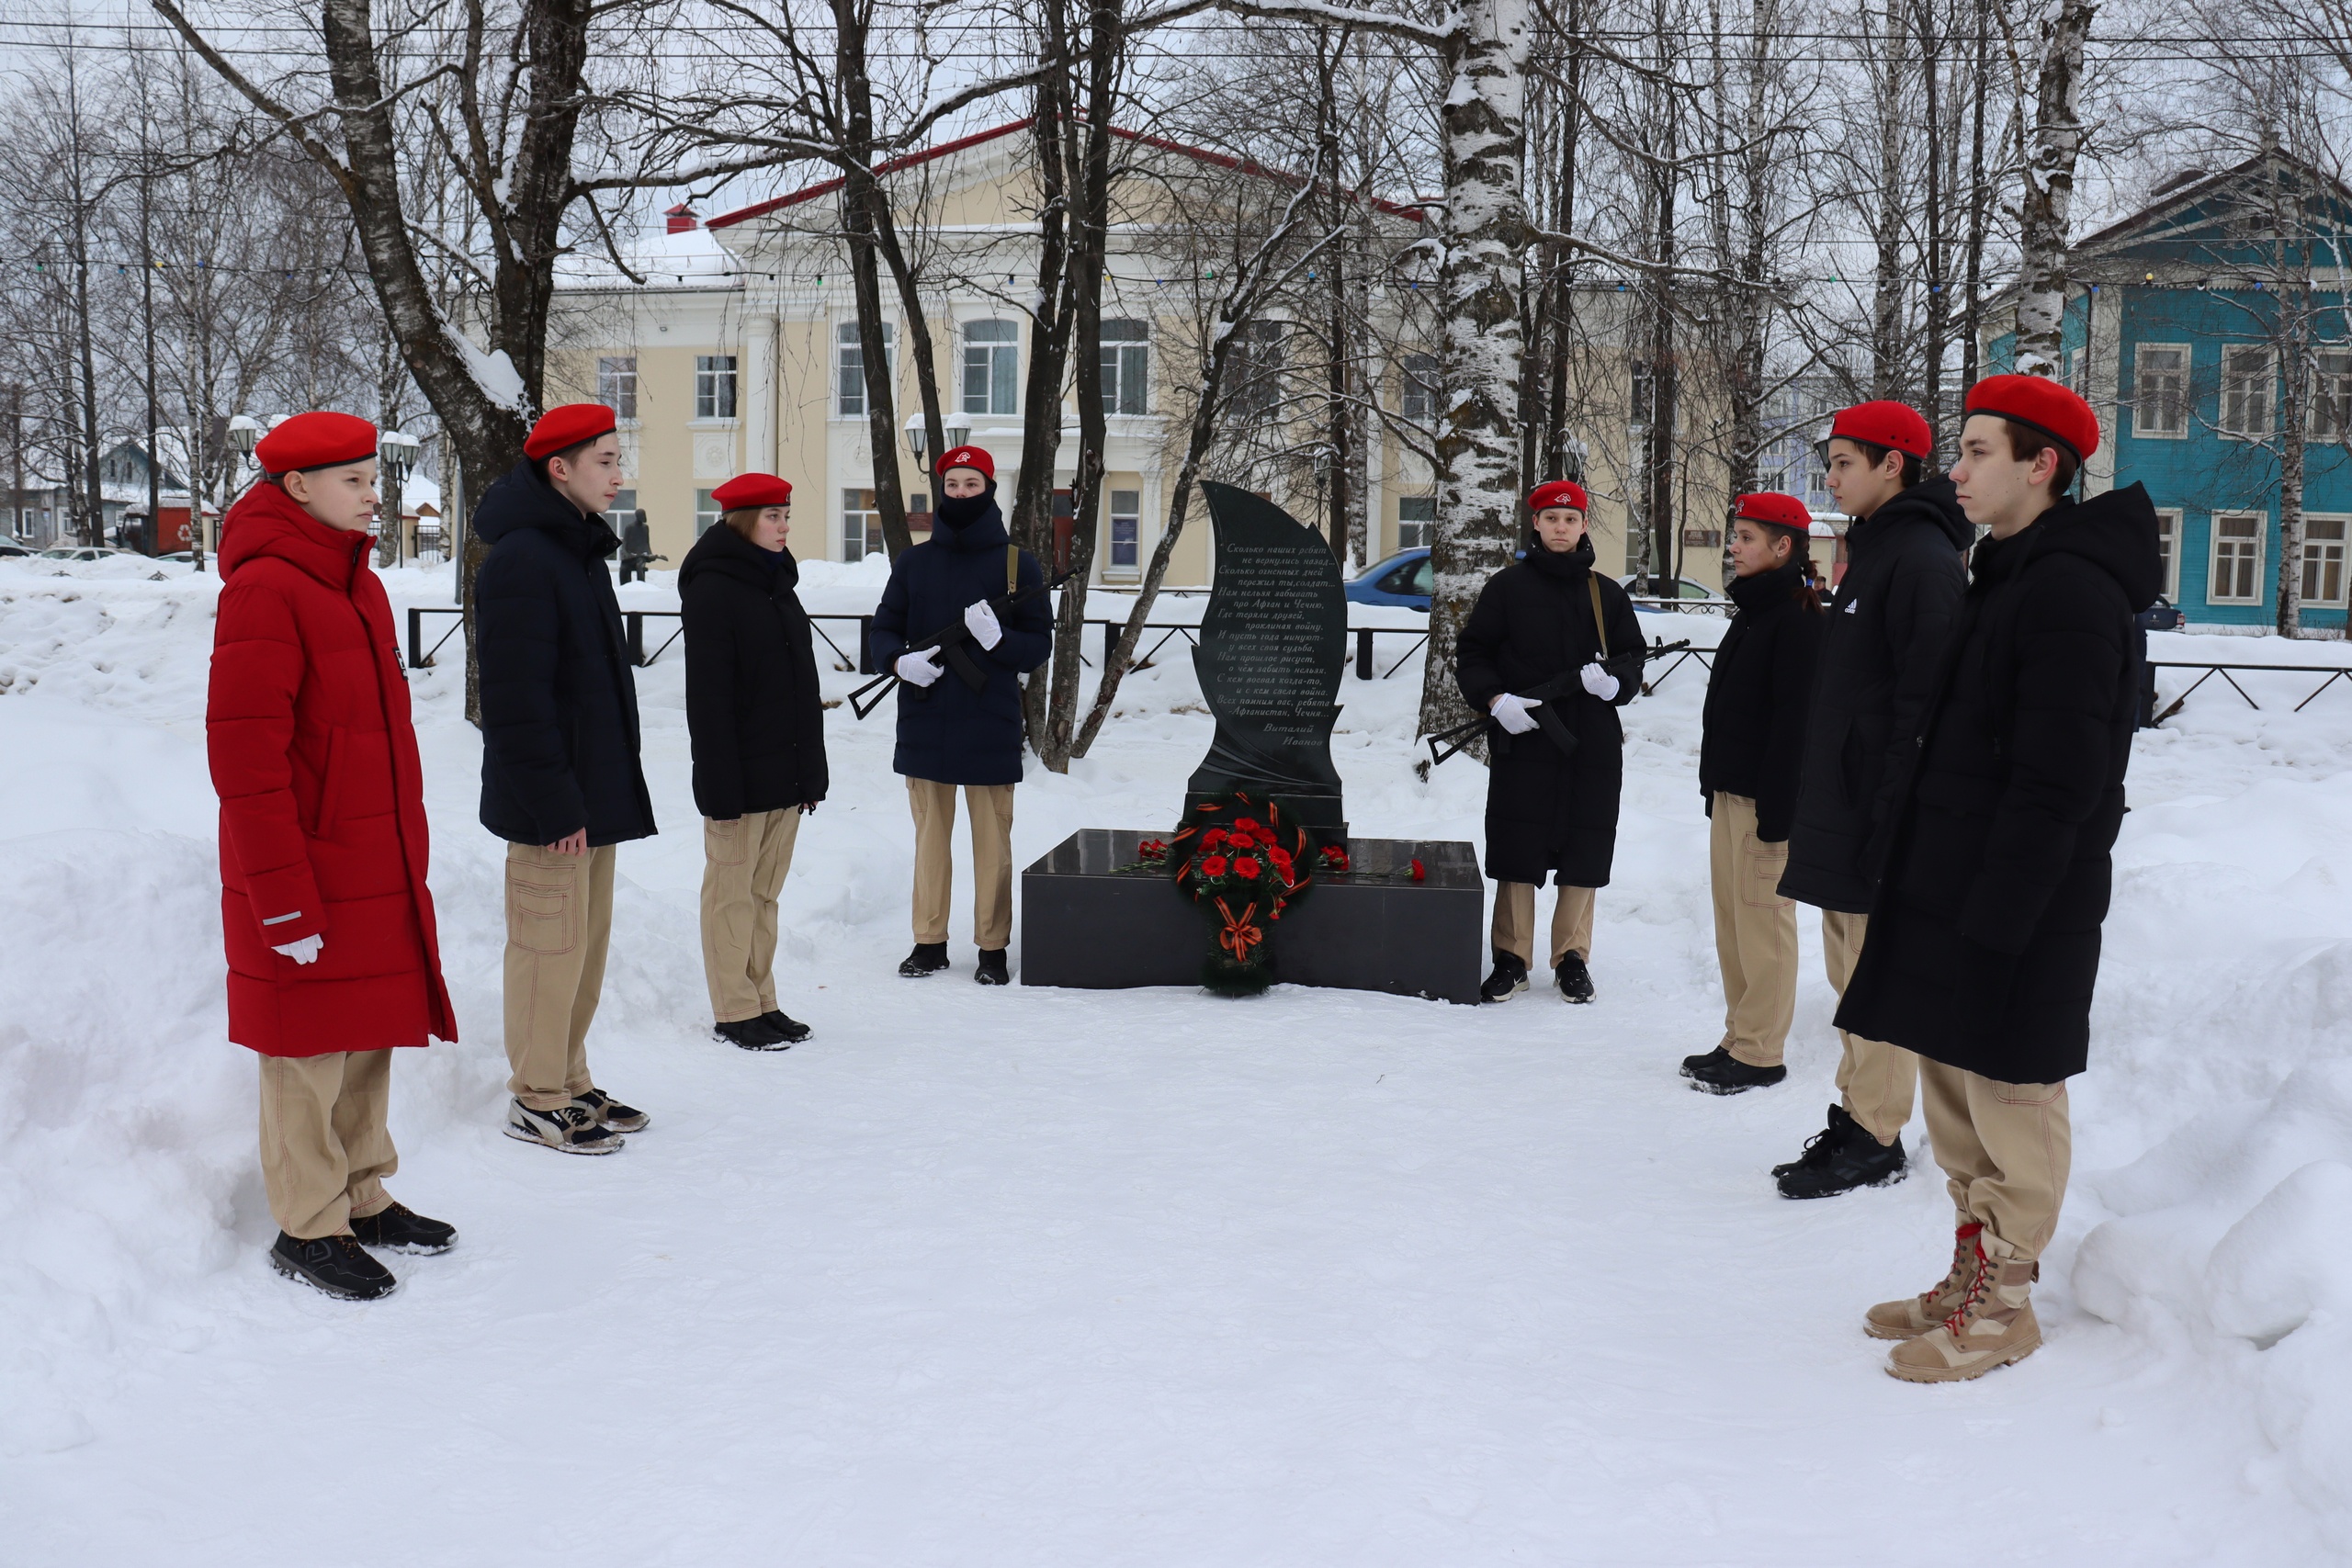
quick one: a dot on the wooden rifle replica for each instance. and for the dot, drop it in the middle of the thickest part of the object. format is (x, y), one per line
(949, 640)
(1448, 743)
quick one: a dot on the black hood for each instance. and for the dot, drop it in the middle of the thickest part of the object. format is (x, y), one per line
(523, 499)
(723, 552)
(1932, 503)
(969, 522)
(2117, 531)
(1573, 563)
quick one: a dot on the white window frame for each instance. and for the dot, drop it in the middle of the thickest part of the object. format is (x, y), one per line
(1126, 507)
(1425, 527)
(2169, 523)
(1417, 387)
(2337, 550)
(995, 359)
(2320, 399)
(849, 366)
(2213, 574)
(716, 382)
(706, 512)
(1126, 365)
(869, 523)
(617, 385)
(2233, 425)
(2144, 427)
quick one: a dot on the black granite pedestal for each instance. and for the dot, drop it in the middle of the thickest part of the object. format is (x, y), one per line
(1369, 928)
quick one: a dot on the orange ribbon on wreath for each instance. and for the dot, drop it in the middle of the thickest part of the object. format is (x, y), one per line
(1239, 935)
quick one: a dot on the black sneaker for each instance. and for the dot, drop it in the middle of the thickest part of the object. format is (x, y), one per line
(990, 970)
(1574, 979)
(399, 1228)
(571, 1129)
(927, 958)
(1839, 1159)
(1508, 979)
(337, 1264)
(1720, 1072)
(751, 1034)
(610, 1112)
(792, 1029)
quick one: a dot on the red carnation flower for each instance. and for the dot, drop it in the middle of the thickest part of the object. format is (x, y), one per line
(1213, 866)
(1213, 838)
(1245, 824)
(1421, 874)
(1335, 857)
(1245, 866)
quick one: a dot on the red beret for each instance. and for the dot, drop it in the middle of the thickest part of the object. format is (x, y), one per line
(1775, 510)
(2039, 403)
(1559, 492)
(969, 458)
(315, 440)
(568, 426)
(1898, 425)
(753, 490)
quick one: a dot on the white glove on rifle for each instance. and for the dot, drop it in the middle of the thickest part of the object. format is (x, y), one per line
(1598, 681)
(981, 620)
(303, 951)
(1510, 712)
(919, 669)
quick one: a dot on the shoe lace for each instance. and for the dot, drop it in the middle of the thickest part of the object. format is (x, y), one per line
(1963, 1249)
(1817, 1150)
(1974, 1293)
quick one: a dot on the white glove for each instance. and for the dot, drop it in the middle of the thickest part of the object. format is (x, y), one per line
(303, 951)
(982, 622)
(1598, 681)
(1510, 712)
(919, 669)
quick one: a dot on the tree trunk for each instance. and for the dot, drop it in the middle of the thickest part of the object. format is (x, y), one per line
(2049, 191)
(863, 200)
(1938, 300)
(1973, 307)
(1483, 235)
(1887, 282)
(1049, 318)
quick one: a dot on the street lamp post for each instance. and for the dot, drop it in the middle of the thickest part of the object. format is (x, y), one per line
(396, 453)
(243, 432)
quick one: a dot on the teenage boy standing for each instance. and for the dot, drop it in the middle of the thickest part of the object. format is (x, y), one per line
(561, 780)
(334, 960)
(1985, 936)
(1880, 651)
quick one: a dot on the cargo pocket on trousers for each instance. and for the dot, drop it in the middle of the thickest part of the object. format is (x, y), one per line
(1761, 865)
(538, 917)
(726, 843)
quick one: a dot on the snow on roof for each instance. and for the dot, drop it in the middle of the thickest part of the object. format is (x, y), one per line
(689, 256)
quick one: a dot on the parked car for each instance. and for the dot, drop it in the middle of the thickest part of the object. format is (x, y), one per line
(11, 550)
(185, 558)
(1405, 578)
(78, 552)
(1685, 588)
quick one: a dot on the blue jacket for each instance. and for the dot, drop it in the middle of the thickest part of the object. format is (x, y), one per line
(558, 699)
(950, 733)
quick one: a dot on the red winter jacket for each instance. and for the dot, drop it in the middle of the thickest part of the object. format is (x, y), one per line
(322, 794)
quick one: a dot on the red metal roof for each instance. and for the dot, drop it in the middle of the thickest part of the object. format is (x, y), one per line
(913, 160)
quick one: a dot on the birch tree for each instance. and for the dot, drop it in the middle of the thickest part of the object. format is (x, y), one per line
(2049, 195)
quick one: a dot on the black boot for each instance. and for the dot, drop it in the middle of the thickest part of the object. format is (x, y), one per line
(751, 1034)
(1575, 980)
(927, 958)
(1839, 1159)
(399, 1228)
(1508, 979)
(992, 970)
(1720, 1072)
(793, 1029)
(337, 1264)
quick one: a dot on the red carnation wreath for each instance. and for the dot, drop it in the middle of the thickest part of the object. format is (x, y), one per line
(1243, 862)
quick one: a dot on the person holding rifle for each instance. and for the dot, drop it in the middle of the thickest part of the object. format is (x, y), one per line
(1550, 653)
(935, 619)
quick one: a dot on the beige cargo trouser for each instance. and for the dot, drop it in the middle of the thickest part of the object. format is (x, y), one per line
(325, 1147)
(743, 866)
(1514, 927)
(2005, 1149)
(559, 925)
(933, 804)
(1755, 933)
(1876, 1081)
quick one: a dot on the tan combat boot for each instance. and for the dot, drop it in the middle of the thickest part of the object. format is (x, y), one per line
(1992, 1326)
(1913, 1316)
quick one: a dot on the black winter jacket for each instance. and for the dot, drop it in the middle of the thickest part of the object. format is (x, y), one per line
(754, 716)
(558, 699)
(1906, 567)
(1984, 937)
(1752, 736)
(948, 732)
(1550, 815)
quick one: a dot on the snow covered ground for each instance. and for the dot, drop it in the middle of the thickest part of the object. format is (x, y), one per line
(1031, 1277)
